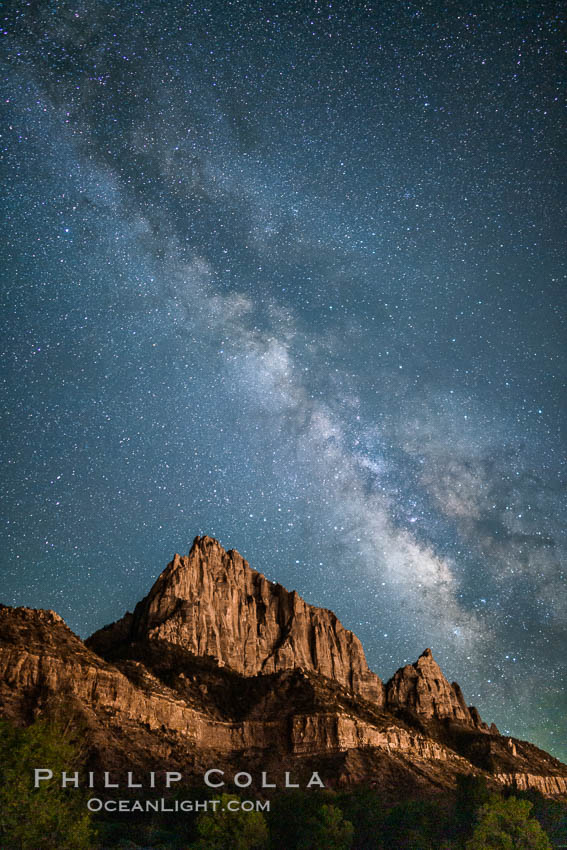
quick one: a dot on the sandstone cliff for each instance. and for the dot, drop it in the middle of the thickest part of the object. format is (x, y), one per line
(219, 665)
(422, 688)
(213, 604)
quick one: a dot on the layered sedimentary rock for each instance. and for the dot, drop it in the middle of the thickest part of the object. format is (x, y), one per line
(133, 717)
(217, 665)
(213, 604)
(549, 786)
(422, 688)
(345, 732)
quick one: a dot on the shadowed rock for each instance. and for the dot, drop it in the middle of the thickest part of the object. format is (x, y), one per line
(422, 688)
(213, 604)
(218, 665)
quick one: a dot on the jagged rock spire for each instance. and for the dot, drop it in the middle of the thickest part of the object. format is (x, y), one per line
(212, 603)
(422, 688)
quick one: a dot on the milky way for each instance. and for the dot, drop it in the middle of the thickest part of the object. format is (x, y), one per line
(289, 274)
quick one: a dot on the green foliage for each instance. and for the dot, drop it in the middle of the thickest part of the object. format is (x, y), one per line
(415, 825)
(551, 815)
(235, 829)
(48, 817)
(364, 809)
(328, 829)
(472, 794)
(310, 820)
(507, 825)
(290, 815)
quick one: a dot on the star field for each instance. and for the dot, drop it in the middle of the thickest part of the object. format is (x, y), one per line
(292, 275)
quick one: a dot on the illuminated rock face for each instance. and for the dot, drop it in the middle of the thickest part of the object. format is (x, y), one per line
(213, 604)
(422, 688)
(219, 666)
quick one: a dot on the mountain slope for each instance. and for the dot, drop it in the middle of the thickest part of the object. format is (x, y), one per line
(218, 666)
(212, 603)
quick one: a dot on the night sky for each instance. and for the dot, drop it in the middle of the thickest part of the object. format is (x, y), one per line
(289, 274)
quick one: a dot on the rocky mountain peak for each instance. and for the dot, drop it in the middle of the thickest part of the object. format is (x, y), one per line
(177, 683)
(44, 615)
(211, 603)
(428, 667)
(423, 689)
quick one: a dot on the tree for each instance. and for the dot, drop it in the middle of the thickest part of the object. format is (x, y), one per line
(551, 815)
(472, 794)
(235, 829)
(415, 825)
(292, 815)
(328, 829)
(363, 807)
(48, 817)
(507, 825)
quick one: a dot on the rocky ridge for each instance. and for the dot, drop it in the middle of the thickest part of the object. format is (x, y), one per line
(219, 665)
(213, 604)
(422, 688)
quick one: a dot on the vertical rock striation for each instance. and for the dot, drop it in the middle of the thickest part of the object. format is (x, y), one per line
(218, 663)
(212, 603)
(422, 688)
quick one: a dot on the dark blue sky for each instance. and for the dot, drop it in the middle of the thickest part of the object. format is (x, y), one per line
(290, 274)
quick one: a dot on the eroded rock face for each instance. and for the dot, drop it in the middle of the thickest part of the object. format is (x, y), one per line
(43, 665)
(422, 688)
(549, 786)
(219, 665)
(212, 603)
